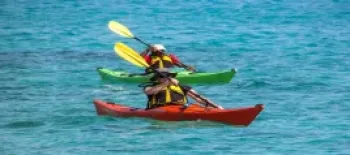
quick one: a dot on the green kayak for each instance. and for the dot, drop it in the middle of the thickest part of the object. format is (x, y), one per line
(184, 77)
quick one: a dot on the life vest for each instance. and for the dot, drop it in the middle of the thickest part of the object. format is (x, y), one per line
(169, 95)
(163, 61)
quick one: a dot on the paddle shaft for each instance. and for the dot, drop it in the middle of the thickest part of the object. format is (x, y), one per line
(138, 39)
(207, 102)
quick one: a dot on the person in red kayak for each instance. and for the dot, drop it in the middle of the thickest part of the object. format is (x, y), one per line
(165, 92)
(156, 57)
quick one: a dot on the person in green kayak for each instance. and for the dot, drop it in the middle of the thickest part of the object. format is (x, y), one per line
(156, 57)
(165, 92)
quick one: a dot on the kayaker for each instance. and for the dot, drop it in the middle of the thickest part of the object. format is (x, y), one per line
(163, 92)
(156, 57)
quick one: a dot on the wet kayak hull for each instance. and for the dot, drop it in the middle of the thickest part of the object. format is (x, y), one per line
(237, 116)
(184, 77)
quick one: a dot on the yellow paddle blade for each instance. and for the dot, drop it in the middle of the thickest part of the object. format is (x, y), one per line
(130, 55)
(120, 29)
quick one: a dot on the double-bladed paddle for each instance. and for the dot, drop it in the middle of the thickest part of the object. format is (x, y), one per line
(125, 32)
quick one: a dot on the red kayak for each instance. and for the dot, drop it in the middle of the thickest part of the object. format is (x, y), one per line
(237, 116)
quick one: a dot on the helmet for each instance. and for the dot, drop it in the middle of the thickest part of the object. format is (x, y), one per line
(159, 47)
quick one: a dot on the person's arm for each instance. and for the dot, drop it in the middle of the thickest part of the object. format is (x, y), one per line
(158, 88)
(193, 94)
(146, 51)
(155, 89)
(147, 59)
(177, 62)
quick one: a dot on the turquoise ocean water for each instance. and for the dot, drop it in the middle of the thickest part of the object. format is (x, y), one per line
(293, 56)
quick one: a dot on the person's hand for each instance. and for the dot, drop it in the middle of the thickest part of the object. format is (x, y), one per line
(174, 81)
(149, 49)
(220, 107)
(166, 83)
(190, 68)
